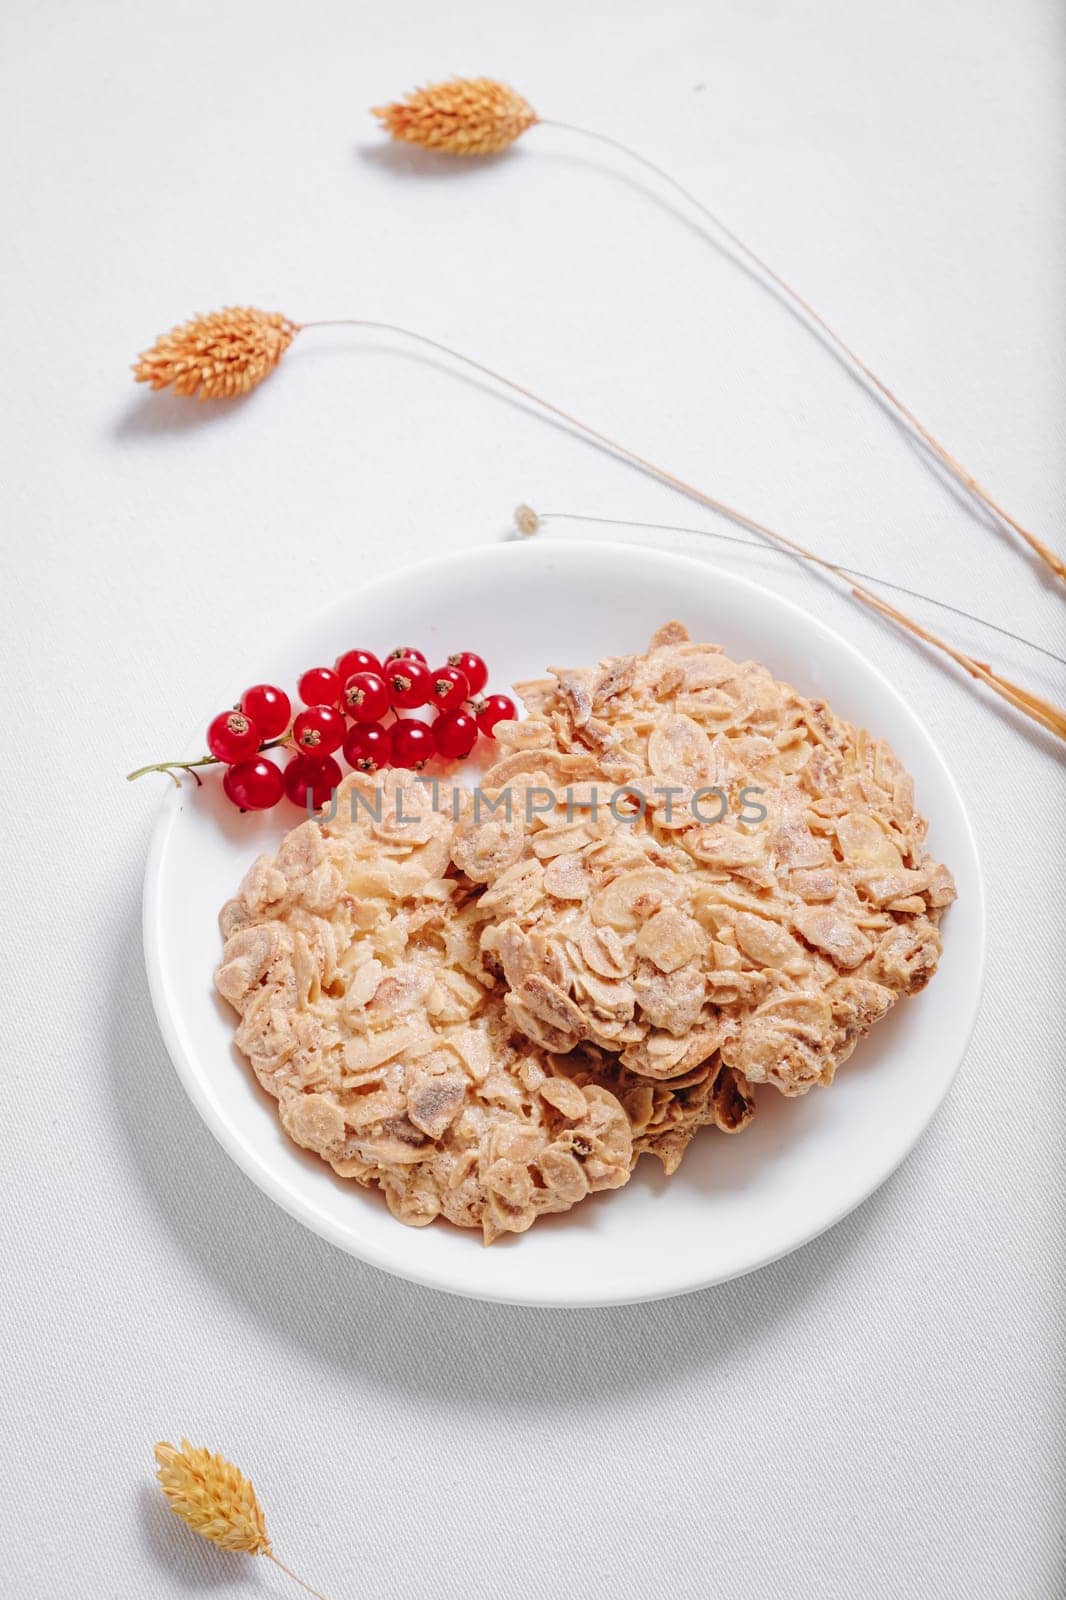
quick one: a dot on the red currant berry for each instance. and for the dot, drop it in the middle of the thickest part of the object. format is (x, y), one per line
(448, 689)
(319, 731)
(409, 683)
(455, 734)
(356, 661)
(411, 743)
(320, 686)
(303, 777)
(269, 709)
(367, 747)
(366, 696)
(493, 709)
(405, 650)
(477, 673)
(232, 736)
(254, 785)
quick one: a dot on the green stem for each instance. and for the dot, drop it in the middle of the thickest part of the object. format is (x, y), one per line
(172, 768)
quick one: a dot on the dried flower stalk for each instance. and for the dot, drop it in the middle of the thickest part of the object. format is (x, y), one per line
(216, 1500)
(462, 117)
(1033, 706)
(218, 356)
(528, 522)
(460, 131)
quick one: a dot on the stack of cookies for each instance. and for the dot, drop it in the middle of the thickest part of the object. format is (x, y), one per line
(680, 881)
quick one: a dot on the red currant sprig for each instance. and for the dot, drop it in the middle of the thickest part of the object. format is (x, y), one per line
(360, 686)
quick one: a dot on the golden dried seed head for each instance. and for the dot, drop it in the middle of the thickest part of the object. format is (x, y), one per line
(218, 356)
(213, 1497)
(464, 117)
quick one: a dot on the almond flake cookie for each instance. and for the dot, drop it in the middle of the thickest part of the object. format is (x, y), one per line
(664, 1116)
(699, 866)
(540, 853)
(352, 957)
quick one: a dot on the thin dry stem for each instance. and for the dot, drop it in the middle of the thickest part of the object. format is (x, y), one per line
(481, 116)
(528, 521)
(1040, 710)
(1033, 706)
(290, 1574)
(1049, 557)
(1045, 712)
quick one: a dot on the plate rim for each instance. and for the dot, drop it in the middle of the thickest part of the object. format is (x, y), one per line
(368, 1250)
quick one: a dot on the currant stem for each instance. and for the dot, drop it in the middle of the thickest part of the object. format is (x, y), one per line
(172, 768)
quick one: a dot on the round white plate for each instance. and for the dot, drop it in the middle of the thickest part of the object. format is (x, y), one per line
(736, 1203)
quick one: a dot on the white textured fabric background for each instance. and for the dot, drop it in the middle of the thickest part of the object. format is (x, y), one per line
(880, 1414)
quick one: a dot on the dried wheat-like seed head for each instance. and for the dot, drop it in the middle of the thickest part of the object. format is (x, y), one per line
(213, 1497)
(464, 117)
(218, 356)
(526, 520)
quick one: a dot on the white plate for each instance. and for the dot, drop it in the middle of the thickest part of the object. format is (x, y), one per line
(736, 1203)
